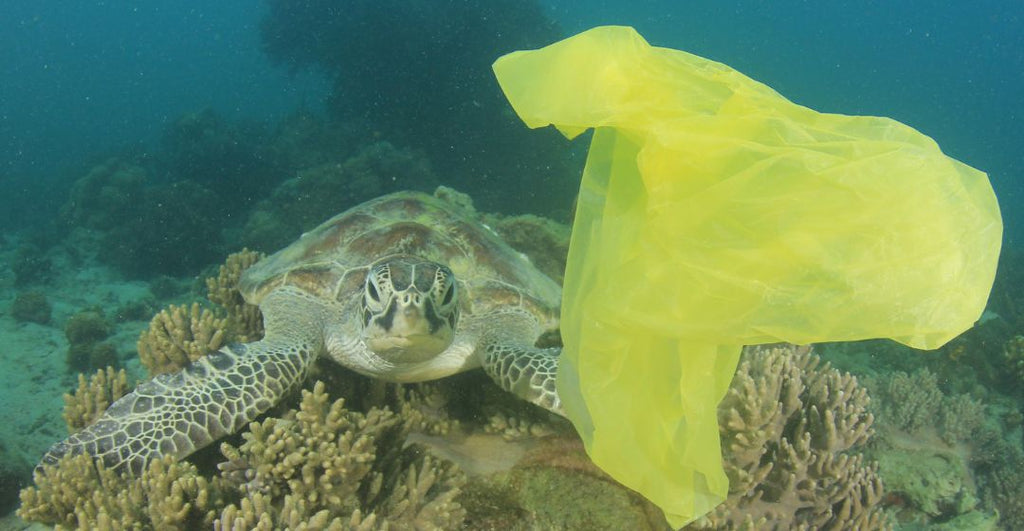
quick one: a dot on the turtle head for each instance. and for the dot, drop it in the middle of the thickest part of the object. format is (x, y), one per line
(410, 307)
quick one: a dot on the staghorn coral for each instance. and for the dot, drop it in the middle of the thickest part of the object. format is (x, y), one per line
(318, 467)
(1004, 485)
(423, 409)
(931, 447)
(79, 493)
(914, 405)
(93, 396)
(325, 462)
(960, 417)
(787, 424)
(179, 335)
(513, 428)
(913, 400)
(244, 321)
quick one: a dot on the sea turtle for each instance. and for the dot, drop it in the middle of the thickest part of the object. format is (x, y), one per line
(405, 288)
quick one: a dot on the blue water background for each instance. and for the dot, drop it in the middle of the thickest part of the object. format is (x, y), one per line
(79, 78)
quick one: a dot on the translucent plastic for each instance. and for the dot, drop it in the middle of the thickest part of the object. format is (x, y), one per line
(715, 213)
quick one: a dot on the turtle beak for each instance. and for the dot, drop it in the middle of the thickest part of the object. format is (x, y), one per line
(409, 316)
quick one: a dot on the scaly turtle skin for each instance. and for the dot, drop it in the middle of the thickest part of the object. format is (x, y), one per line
(404, 288)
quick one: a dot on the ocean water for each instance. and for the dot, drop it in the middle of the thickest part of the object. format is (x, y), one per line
(141, 143)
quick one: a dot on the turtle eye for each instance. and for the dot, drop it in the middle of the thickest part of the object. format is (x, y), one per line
(371, 291)
(448, 295)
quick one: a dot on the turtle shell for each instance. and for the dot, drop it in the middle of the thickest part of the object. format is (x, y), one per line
(332, 260)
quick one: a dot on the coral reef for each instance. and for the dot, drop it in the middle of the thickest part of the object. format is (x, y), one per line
(787, 425)
(1007, 298)
(913, 400)
(927, 447)
(85, 332)
(556, 486)
(1013, 351)
(12, 476)
(327, 460)
(178, 335)
(305, 140)
(106, 196)
(914, 404)
(244, 322)
(1003, 484)
(31, 307)
(88, 326)
(361, 462)
(93, 397)
(317, 193)
(316, 467)
(81, 494)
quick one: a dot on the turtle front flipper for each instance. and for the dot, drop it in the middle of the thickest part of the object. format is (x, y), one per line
(524, 371)
(178, 413)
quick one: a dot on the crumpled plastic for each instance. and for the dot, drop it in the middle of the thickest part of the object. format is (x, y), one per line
(714, 213)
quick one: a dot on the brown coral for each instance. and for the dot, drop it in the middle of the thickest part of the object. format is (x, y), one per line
(93, 396)
(79, 493)
(913, 400)
(244, 320)
(324, 461)
(786, 424)
(179, 335)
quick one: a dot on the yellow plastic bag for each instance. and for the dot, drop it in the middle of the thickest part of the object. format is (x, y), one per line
(715, 213)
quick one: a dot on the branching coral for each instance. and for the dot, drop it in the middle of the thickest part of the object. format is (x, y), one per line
(318, 467)
(914, 405)
(786, 425)
(913, 400)
(326, 461)
(79, 493)
(1004, 485)
(93, 396)
(928, 442)
(178, 335)
(244, 321)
